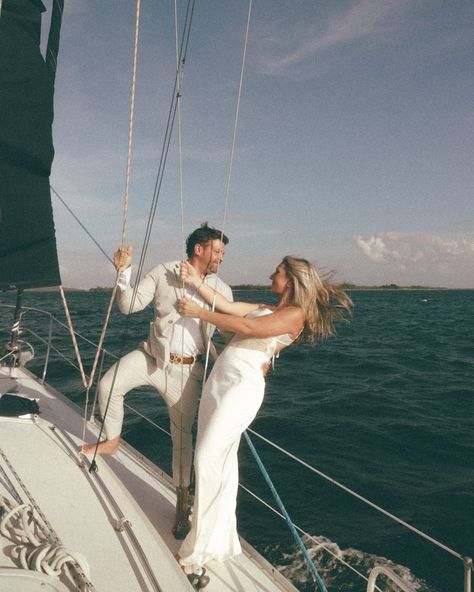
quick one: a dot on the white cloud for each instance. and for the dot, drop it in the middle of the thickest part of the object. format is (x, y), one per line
(420, 252)
(376, 249)
(364, 19)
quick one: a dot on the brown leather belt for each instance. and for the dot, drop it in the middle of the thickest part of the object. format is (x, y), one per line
(179, 359)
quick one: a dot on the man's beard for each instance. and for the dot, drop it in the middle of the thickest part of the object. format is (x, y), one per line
(212, 268)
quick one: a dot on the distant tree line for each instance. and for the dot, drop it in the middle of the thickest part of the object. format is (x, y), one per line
(344, 286)
(259, 288)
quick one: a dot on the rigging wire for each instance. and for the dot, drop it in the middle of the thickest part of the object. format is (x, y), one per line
(179, 70)
(231, 161)
(69, 209)
(237, 113)
(166, 144)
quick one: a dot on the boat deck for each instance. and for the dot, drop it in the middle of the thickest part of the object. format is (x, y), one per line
(119, 518)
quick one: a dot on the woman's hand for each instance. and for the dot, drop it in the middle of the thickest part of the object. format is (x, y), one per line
(189, 274)
(188, 308)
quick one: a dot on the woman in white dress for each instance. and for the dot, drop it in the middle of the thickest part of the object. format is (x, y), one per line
(309, 304)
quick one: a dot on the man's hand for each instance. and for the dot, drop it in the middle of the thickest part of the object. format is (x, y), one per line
(123, 258)
(188, 308)
(189, 274)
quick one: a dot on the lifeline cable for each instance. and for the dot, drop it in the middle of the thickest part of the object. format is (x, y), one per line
(361, 498)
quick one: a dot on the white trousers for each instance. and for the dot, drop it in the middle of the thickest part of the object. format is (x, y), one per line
(232, 397)
(178, 384)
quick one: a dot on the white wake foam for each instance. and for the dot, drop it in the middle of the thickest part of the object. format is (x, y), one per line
(331, 561)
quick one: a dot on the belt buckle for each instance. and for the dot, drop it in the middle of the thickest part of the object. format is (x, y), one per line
(176, 359)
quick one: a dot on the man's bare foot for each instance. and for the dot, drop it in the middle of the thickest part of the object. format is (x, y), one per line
(104, 447)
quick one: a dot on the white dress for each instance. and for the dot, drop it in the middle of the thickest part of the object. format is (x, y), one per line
(231, 399)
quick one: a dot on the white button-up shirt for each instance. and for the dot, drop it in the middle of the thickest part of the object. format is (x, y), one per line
(185, 337)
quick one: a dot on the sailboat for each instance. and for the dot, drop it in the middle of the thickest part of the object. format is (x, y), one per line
(64, 526)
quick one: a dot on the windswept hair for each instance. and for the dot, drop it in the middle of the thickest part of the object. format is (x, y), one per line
(322, 301)
(202, 235)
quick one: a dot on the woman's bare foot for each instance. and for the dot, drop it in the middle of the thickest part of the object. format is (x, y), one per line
(104, 447)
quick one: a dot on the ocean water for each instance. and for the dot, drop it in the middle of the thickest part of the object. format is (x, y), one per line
(385, 407)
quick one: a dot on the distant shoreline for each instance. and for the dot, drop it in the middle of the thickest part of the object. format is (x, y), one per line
(267, 288)
(349, 287)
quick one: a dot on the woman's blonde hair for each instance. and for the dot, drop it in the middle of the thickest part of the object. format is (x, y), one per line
(322, 301)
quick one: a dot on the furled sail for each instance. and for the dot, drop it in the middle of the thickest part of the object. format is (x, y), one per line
(28, 256)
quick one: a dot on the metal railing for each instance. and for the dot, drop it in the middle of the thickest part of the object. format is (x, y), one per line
(376, 571)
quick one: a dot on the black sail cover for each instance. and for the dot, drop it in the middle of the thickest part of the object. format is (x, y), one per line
(28, 256)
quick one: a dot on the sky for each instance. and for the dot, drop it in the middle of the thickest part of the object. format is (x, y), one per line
(353, 143)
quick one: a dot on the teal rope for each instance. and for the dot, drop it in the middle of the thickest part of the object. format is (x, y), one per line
(297, 537)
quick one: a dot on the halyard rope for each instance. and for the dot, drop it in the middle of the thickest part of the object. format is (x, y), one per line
(34, 548)
(38, 545)
(131, 122)
(125, 212)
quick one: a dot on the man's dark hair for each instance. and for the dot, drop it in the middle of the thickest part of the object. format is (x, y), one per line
(201, 236)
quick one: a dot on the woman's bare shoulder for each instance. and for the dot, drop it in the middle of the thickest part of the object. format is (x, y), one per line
(293, 310)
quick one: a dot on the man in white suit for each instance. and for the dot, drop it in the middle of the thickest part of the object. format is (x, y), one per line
(170, 360)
